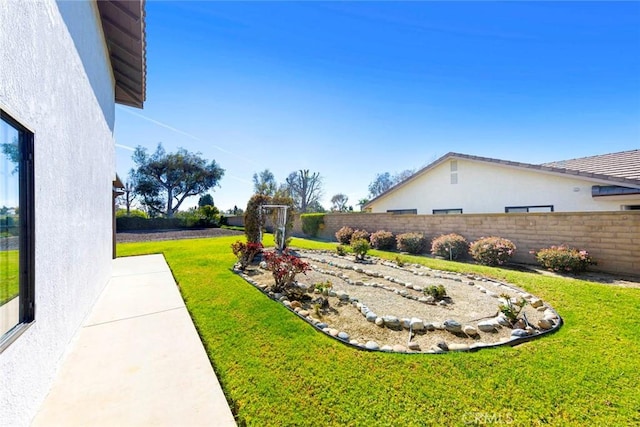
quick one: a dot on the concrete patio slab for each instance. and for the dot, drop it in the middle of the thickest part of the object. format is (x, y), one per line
(138, 360)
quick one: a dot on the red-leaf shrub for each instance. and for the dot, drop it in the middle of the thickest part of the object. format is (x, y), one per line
(564, 258)
(414, 243)
(359, 235)
(492, 250)
(449, 246)
(284, 268)
(382, 240)
(245, 252)
(343, 235)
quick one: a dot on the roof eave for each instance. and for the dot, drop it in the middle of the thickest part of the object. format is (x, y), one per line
(123, 24)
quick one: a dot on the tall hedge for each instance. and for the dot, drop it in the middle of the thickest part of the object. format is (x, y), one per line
(253, 219)
(312, 223)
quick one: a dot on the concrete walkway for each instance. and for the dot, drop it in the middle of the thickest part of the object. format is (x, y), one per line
(138, 360)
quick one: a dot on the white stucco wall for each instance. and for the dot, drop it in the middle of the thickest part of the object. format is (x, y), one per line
(489, 187)
(44, 85)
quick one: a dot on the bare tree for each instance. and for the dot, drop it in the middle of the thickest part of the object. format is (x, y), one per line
(339, 202)
(305, 189)
(128, 196)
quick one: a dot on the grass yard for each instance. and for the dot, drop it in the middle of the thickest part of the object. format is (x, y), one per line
(9, 280)
(277, 370)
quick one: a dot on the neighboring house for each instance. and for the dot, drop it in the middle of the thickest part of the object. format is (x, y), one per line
(464, 184)
(63, 66)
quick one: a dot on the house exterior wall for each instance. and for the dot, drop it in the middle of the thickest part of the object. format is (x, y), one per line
(56, 80)
(612, 238)
(490, 187)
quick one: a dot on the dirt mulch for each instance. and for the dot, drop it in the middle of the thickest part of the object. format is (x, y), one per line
(155, 235)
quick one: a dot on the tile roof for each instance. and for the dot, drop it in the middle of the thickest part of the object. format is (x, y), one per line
(625, 164)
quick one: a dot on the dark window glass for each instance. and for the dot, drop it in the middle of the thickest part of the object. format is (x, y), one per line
(16, 228)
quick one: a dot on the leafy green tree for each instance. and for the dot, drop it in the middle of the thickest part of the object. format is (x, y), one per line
(385, 181)
(362, 202)
(206, 200)
(380, 184)
(264, 183)
(165, 180)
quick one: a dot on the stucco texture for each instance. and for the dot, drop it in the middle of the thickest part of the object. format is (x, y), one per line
(58, 83)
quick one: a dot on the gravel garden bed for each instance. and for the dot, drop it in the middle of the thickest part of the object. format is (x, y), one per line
(379, 305)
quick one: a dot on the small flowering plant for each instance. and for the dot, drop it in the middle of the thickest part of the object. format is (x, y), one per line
(284, 267)
(246, 252)
(564, 259)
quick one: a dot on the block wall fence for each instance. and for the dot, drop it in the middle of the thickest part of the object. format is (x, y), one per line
(612, 238)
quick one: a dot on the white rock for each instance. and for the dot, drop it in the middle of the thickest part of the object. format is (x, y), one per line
(399, 348)
(372, 345)
(379, 321)
(371, 316)
(406, 323)
(458, 347)
(416, 324)
(386, 348)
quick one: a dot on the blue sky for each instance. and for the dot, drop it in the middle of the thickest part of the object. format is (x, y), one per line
(352, 89)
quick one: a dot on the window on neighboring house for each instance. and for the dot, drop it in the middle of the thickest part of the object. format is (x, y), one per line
(446, 211)
(17, 303)
(528, 209)
(403, 211)
(631, 208)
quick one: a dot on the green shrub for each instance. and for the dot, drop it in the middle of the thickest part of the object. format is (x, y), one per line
(382, 240)
(312, 223)
(449, 246)
(203, 216)
(436, 291)
(414, 243)
(342, 250)
(492, 250)
(564, 259)
(511, 309)
(133, 213)
(360, 247)
(359, 235)
(343, 235)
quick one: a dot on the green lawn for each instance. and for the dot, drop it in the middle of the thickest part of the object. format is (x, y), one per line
(8, 275)
(277, 370)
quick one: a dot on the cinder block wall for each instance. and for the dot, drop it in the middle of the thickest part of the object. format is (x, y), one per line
(612, 238)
